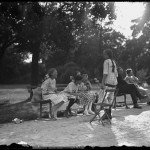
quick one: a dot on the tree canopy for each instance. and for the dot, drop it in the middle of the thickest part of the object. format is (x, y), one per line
(69, 36)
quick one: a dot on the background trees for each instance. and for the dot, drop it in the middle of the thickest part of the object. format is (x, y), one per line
(67, 35)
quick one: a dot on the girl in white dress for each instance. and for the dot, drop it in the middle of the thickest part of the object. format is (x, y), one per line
(49, 91)
(109, 80)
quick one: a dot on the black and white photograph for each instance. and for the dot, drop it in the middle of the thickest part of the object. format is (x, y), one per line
(74, 74)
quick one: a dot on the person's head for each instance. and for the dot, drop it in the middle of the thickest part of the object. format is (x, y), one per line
(77, 79)
(52, 73)
(46, 76)
(85, 76)
(78, 72)
(108, 54)
(120, 71)
(71, 78)
(129, 72)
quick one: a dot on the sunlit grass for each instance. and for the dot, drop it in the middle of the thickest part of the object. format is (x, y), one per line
(23, 110)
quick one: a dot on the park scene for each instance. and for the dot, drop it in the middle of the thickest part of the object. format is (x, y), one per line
(74, 74)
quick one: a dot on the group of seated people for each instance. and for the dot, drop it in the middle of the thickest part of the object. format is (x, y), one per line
(79, 91)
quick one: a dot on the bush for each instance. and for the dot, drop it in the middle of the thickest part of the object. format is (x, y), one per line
(69, 69)
(141, 74)
(66, 71)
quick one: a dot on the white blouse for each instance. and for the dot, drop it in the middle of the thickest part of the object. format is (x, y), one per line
(48, 86)
(111, 76)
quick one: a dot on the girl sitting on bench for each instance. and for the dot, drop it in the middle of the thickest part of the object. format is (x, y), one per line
(49, 91)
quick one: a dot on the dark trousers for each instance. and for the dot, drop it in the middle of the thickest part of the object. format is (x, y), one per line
(130, 89)
(96, 100)
(70, 104)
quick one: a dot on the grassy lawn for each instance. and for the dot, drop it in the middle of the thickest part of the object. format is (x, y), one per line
(18, 107)
(13, 93)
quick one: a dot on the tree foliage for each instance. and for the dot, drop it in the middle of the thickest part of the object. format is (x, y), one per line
(142, 46)
(64, 33)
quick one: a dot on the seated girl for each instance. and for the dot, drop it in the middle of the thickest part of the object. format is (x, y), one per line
(78, 94)
(49, 91)
(88, 107)
(87, 97)
(72, 92)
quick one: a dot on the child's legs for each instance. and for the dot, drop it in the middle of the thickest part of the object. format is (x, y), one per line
(86, 107)
(110, 97)
(56, 107)
(70, 104)
(90, 106)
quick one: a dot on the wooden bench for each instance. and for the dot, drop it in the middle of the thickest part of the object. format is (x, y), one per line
(30, 88)
(41, 102)
(60, 87)
(118, 95)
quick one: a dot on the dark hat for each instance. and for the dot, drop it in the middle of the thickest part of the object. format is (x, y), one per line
(128, 70)
(78, 78)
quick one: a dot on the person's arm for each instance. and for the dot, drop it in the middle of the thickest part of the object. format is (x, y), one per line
(105, 73)
(82, 87)
(46, 88)
(89, 85)
(103, 81)
(68, 88)
(136, 80)
(71, 90)
(55, 88)
(127, 79)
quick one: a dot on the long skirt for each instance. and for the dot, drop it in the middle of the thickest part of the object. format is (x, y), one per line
(86, 97)
(56, 98)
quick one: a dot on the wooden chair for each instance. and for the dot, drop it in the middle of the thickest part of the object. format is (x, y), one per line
(103, 106)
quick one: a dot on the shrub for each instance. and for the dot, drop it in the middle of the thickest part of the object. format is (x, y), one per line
(141, 74)
(67, 70)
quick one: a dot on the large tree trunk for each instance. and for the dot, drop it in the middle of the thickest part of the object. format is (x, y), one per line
(35, 66)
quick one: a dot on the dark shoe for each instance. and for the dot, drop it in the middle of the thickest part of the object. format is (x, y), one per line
(137, 106)
(53, 119)
(143, 96)
(104, 117)
(66, 114)
(148, 103)
(72, 114)
(108, 111)
(109, 114)
(86, 113)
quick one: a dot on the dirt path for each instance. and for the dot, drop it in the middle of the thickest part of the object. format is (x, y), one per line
(130, 127)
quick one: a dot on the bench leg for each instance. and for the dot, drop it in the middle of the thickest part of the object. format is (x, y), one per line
(114, 103)
(125, 102)
(31, 94)
(40, 110)
(50, 110)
